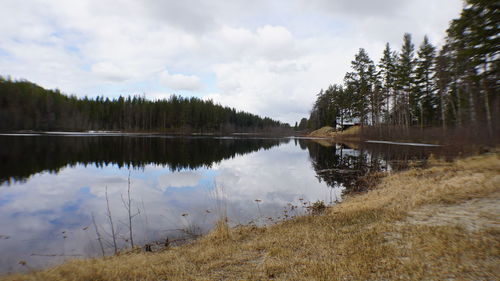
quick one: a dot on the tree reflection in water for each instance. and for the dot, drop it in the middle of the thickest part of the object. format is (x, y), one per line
(23, 156)
(346, 165)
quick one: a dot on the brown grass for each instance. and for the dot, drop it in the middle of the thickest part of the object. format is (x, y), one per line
(328, 132)
(378, 235)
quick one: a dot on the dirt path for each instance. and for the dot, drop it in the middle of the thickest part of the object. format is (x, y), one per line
(474, 215)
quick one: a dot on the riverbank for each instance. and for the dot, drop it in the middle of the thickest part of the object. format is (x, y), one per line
(433, 224)
(471, 136)
(351, 134)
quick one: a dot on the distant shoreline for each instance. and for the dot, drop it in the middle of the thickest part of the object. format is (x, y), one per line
(139, 133)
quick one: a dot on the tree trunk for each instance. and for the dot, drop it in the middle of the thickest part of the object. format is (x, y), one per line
(459, 107)
(443, 109)
(472, 106)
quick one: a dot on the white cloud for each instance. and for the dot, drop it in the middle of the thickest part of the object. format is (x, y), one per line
(180, 179)
(275, 42)
(357, 8)
(180, 81)
(110, 71)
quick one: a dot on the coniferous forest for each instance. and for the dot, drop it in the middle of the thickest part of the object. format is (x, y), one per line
(454, 87)
(27, 106)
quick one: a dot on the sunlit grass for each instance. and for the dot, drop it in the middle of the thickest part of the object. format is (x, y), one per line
(351, 133)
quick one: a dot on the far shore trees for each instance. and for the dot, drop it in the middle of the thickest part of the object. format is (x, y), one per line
(27, 106)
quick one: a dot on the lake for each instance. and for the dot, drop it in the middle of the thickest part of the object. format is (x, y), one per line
(52, 186)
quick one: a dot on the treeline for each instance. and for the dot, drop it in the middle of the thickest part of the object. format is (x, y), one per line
(27, 106)
(455, 86)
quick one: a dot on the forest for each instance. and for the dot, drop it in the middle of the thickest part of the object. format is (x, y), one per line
(455, 86)
(27, 106)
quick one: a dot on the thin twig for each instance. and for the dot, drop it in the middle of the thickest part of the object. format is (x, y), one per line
(110, 218)
(98, 234)
(129, 209)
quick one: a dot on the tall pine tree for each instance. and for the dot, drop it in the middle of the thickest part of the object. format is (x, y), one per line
(360, 84)
(387, 71)
(425, 86)
(406, 101)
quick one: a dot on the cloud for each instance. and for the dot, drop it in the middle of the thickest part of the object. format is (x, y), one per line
(388, 20)
(180, 179)
(110, 71)
(275, 42)
(180, 81)
(357, 8)
(189, 15)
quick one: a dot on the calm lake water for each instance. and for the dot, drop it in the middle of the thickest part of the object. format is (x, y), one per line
(52, 185)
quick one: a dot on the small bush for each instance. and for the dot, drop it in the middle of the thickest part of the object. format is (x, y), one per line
(317, 207)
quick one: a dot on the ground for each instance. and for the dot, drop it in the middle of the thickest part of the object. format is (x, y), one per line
(437, 223)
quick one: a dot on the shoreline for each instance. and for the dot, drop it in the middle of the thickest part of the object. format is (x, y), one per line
(431, 136)
(139, 133)
(403, 228)
(329, 133)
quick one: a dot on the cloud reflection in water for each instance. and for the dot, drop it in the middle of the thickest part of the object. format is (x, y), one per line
(50, 214)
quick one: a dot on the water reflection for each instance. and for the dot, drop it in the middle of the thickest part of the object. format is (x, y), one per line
(53, 185)
(27, 155)
(345, 165)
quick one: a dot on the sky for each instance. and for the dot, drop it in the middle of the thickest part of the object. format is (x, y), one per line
(267, 57)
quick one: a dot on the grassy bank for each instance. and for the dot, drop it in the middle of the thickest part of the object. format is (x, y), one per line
(351, 134)
(439, 223)
(458, 137)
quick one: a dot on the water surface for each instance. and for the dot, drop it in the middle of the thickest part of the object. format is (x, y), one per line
(52, 185)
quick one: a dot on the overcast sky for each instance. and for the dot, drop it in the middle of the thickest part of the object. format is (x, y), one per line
(267, 57)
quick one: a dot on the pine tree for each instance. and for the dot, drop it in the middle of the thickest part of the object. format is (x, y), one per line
(360, 84)
(474, 37)
(443, 82)
(406, 101)
(343, 103)
(387, 72)
(425, 86)
(376, 96)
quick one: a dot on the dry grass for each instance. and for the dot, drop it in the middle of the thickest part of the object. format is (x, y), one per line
(322, 132)
(378, 235)
(328, 132)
